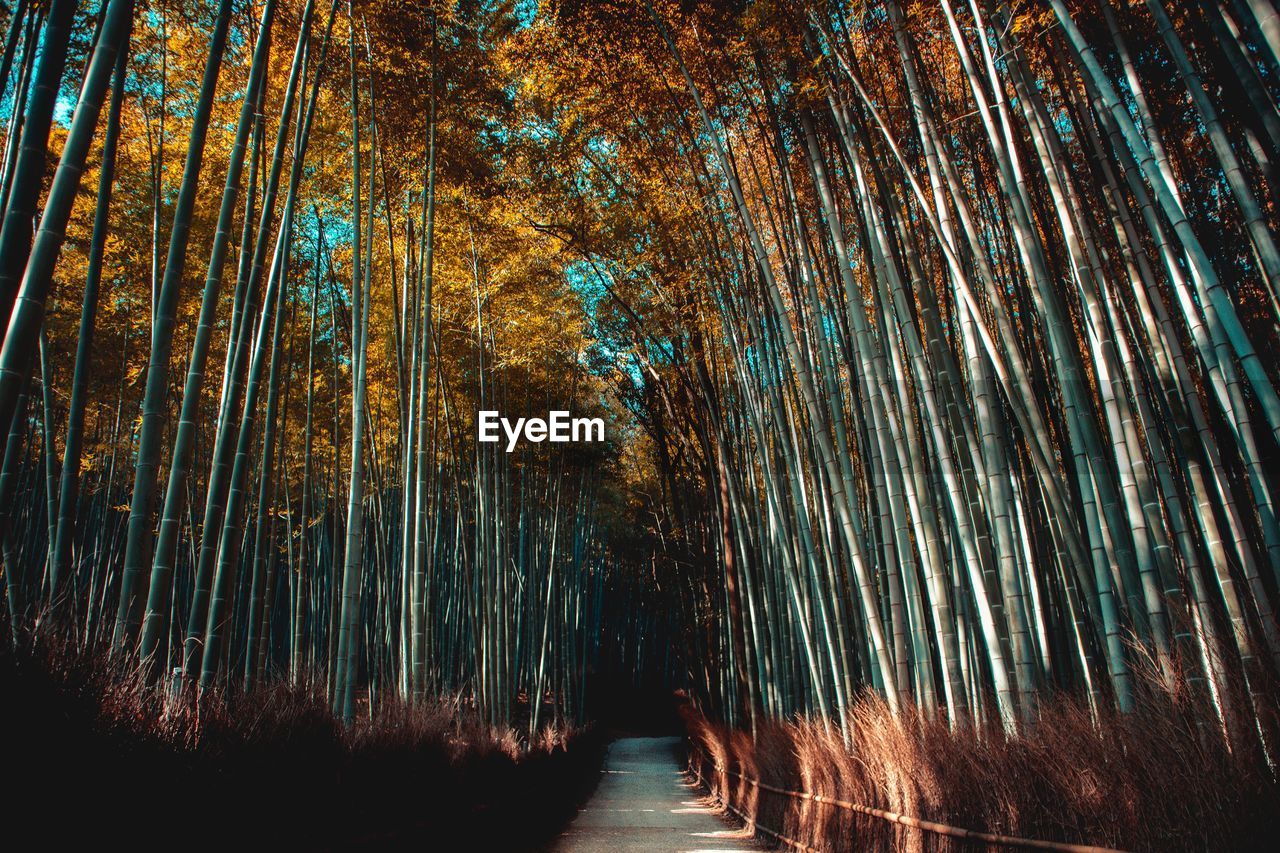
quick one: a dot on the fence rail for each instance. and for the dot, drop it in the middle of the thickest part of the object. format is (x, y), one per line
(892, 817)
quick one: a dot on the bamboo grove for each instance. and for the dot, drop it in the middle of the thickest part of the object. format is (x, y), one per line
(953, 330)
(242, 374)
(936, 342)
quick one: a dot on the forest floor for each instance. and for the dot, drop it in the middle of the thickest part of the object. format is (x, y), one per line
(644, 804)
(271, 768)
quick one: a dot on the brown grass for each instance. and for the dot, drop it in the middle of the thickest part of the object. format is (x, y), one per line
(92, 757)
(1154, 780)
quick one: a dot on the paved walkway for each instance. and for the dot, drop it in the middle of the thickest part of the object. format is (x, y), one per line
(645, 805)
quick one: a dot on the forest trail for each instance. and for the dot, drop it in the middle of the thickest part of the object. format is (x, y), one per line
(644, 804)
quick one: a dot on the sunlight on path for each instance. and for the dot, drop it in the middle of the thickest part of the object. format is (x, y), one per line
(644, 805)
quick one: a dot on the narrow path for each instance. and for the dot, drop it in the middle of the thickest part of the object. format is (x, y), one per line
(645, 805)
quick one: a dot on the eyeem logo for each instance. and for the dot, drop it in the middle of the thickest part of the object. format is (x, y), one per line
(557, 427)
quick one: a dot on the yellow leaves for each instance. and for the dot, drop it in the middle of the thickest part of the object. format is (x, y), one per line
(1030, 19)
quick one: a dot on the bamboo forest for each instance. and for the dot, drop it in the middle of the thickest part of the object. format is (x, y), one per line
(928, 359)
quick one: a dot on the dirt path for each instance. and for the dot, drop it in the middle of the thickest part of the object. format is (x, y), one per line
(645, 805)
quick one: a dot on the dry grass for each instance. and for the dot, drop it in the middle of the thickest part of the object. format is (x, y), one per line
(92, 757)
(1154, 780)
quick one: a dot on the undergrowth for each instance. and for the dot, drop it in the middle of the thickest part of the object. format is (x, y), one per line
(95, 758)
(1160, 779)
